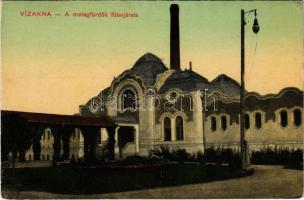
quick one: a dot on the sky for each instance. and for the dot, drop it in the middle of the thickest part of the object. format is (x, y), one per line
(54, 64)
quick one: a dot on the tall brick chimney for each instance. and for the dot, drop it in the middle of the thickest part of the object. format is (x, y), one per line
(174, 38)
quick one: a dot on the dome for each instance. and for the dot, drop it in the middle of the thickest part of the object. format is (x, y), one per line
(148, 67)
(186, 81)
(228, 85)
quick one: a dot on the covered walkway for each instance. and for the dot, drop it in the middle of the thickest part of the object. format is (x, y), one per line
(62, 127)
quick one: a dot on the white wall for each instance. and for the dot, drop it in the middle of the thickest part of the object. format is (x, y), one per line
(271, 133)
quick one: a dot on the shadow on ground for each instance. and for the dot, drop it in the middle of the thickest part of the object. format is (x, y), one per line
(92, 180)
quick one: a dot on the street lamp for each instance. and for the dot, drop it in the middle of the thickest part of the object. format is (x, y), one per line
(255, 29)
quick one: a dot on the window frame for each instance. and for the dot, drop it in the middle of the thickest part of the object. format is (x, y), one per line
(258, 119)
(224, 125)
(283, 118)
(247, 121)
(295, 117)
(180, 128)
(167, 136)
(213, 123)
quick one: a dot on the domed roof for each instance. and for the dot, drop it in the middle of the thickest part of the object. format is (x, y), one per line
(148, 67)
(186, 81)
(228, 85)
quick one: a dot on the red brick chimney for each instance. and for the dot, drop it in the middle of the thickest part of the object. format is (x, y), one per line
(174, 38)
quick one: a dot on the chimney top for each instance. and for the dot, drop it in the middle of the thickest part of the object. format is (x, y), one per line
(174, 6)
(174, 38)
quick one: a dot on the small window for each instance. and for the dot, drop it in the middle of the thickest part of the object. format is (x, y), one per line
(247, 121)
(258, 120)
(179, 128)
(284, 120)
(213, 124)
(297, 117)
(30, 157)
(47, 157)
(128, 100)
(167, 129)
(224, 122)
(173, 96)
(43, 158)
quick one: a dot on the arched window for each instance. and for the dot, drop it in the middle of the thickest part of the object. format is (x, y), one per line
(284, 120)
(258, 120)
(173, 96)
(47, 157)
(297, 117)
(30, 157)
(224, 122)
(213, 124)
(179, 128)
(43, 158)
(167, 129)
(247, 121)
(128, 100)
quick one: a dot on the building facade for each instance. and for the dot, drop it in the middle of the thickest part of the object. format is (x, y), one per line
(153, 105)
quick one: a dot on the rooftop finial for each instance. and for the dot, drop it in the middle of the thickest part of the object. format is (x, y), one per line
(190, 66)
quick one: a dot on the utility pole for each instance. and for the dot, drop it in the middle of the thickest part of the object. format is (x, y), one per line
(243, 143)
(242, 124)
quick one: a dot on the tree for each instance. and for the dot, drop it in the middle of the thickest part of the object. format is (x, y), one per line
(16, 136)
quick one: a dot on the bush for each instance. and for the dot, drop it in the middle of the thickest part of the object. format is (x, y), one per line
(163, 153)
(132, 160)
(178, 155)
(287, 157)
(220, 156)
(93, 180)
(181, 155)
(211, 155)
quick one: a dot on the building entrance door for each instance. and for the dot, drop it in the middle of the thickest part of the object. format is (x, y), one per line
(126, 134)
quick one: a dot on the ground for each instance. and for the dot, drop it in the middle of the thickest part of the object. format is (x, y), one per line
(267, 182)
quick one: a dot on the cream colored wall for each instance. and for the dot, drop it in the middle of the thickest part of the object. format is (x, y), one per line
(146, 123)
(75, 144)
(47, 146)
(193, 130)
(271, 134)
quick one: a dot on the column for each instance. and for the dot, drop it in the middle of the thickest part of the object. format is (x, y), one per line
(38, 131)
(90, 135)
(173, 129)
(111, 142)
(136, 138)
(94, 143)
(66, 135)
(117, 152)
(85, 146)
(56, 131)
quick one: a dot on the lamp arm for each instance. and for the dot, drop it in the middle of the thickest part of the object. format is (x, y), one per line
(249, 11)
